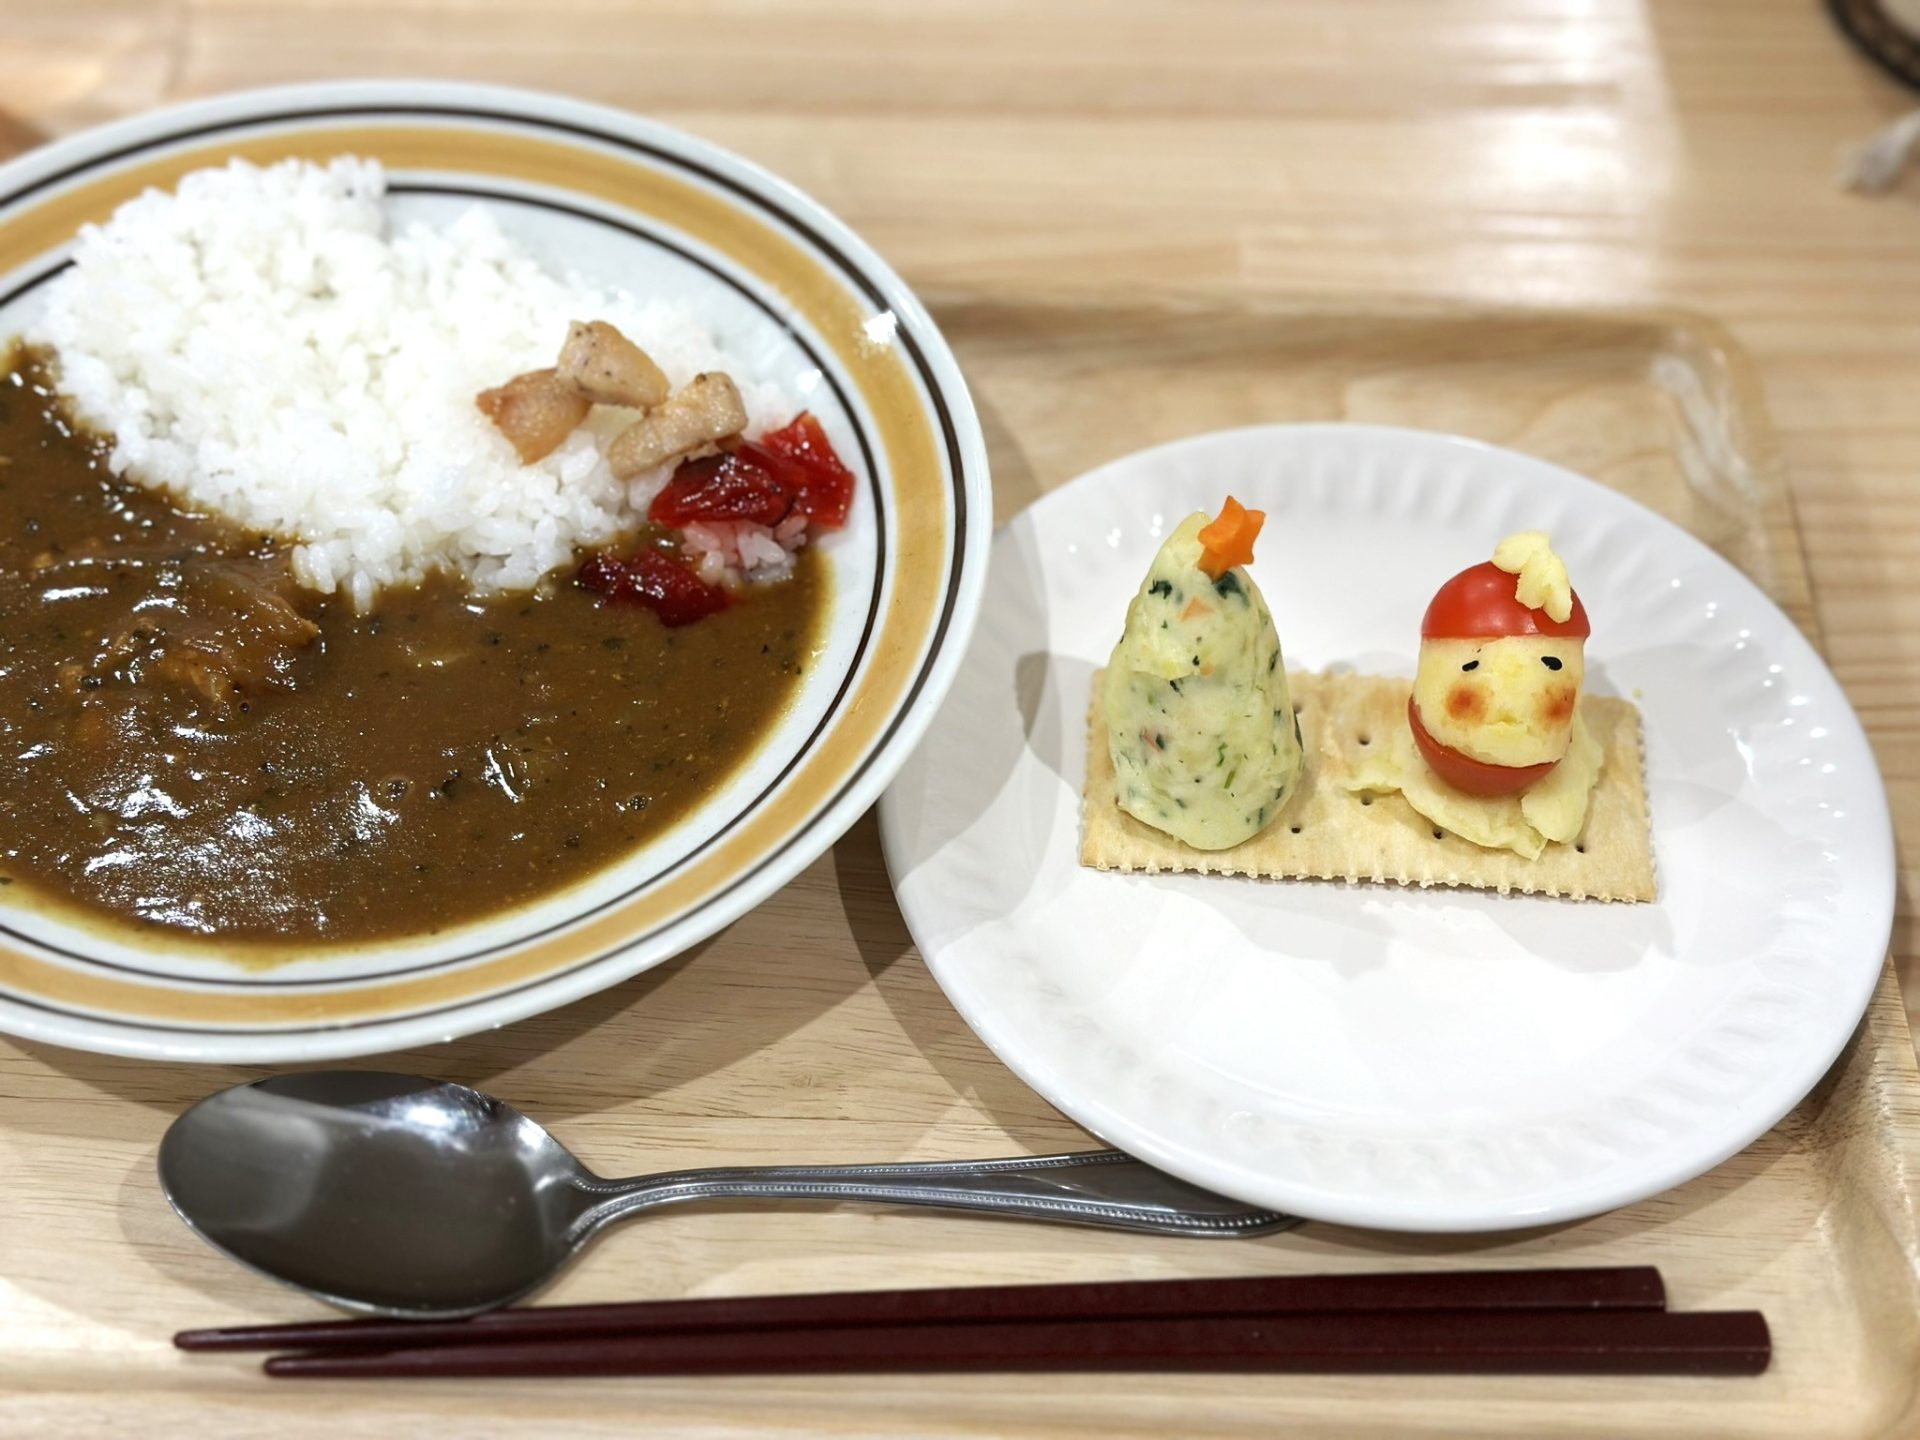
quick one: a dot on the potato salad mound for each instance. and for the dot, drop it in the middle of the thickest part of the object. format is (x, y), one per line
(1199, 719)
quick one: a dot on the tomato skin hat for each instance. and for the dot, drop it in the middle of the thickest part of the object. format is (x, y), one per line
(1479, 604)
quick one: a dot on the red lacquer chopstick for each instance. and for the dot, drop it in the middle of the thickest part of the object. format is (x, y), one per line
(1635, 1287)
(1554, 1342)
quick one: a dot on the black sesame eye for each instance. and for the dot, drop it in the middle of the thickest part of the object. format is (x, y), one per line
(1471, 665)
(1552, 662)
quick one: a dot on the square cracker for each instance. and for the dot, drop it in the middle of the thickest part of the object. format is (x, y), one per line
(1327, 832)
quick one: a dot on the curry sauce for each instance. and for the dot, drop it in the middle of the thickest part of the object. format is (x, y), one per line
(192, 744)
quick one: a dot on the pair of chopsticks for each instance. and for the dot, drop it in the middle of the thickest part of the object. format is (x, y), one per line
(1598, 1321)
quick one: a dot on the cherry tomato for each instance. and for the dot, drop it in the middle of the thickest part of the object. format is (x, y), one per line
(1479, 602)
(654, 580)
(1463, 772)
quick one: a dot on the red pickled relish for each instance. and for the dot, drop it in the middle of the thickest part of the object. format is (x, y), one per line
(655, 580)
(825, 495)
(730, 486)
(792, 469)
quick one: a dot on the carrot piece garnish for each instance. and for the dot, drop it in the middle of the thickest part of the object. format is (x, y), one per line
(1228, 540)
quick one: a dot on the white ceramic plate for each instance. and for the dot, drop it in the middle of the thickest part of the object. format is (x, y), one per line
(638, 205)
(1419, 1060)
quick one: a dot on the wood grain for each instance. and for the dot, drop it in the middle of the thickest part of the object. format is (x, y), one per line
(1008, 158)
(811, 1030)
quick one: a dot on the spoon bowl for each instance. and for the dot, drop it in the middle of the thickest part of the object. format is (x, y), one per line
(399, 1195)
(379, 1192)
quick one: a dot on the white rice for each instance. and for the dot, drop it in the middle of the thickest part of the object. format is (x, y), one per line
(728, 551)
(259, 345)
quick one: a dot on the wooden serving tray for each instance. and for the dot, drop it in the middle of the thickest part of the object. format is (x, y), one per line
(810, 1030)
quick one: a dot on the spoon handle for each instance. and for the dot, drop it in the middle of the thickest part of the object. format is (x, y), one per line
(1094, 1187)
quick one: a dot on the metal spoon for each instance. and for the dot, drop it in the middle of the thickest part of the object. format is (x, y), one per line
(418, 1198)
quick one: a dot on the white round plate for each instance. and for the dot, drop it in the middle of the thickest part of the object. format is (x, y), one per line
(637, 205)
(1416, 1060)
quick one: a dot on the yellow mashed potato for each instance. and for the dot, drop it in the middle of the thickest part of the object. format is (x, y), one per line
(1504, 702)
(1542, 582)
(1552, 809)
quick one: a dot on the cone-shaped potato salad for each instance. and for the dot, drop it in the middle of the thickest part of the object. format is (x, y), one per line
(1199, 719)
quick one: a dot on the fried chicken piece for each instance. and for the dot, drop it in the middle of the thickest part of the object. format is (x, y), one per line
(535, 411)
(608, 368)
(707, 409)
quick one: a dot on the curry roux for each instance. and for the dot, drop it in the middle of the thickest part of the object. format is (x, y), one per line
(191, 744)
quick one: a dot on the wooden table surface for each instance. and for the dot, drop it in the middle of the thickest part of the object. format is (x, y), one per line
(1558, 152)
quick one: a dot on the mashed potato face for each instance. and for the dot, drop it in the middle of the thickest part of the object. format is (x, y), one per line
(1552, 809)
(1502, 755)
(1503, 702)
(1199, 717)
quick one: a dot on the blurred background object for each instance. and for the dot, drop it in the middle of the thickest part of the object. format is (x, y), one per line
(1879, 164)
(17, 135)
(1887, 30)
